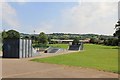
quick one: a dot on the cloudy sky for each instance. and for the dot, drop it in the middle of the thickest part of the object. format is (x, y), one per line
(69, 17)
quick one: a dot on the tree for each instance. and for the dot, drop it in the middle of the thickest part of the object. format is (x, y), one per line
(49, 39)
(114, 42)
(64, 37)
(43, 38)
(32, 37)
(111, 42)
(94, 40)
(117, 33)
(75, 41)
(11, 34)
(27, 37)
(4, 34)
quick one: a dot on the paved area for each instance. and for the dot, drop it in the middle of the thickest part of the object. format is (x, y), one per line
(0, 65)
(24, 68)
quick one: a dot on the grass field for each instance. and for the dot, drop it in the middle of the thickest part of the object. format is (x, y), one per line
(94, 56)
(65, 46)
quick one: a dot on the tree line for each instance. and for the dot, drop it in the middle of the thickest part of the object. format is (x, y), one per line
(13, 34)
(112, 41)
(43, 38)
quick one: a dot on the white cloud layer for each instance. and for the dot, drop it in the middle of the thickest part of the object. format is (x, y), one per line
(0, 16)
(59, 0)
(9, 16)
(14, 0)
(86, 17)
(44, 27)
(91, 17)
(98, 0)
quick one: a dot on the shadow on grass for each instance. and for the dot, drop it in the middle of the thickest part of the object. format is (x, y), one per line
(111, 48)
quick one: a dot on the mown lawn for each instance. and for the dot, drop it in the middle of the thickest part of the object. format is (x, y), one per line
(94, 56)
(65, 46)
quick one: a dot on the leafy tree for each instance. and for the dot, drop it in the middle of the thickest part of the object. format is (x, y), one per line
(11, 34)
(4, 34)
(111, 42)
(26, 37)
(49, 39)
(94, 40)
(114, 42)
(43, 38)
(33, 37)
(117, 33)
(63, 37)
(75, 41)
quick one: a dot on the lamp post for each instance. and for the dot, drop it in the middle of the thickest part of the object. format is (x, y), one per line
(34, 35)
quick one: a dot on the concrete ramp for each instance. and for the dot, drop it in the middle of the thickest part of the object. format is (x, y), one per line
(74, 47)
(35, 53)
(77, 47)
(54, 50)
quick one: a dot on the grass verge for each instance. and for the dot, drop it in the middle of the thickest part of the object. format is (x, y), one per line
(94, 56)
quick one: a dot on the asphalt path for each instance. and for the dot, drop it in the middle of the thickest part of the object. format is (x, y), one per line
(24, 68)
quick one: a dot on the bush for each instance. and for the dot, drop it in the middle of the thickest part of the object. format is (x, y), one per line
(111, 42)
(93, 41)
(11, 34)
(40, 46)
(75, 41)
(43, 39)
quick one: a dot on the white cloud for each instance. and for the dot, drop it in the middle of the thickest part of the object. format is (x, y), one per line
(9, 16)
(14, 0)
(90, 17)
(42, 27)
(20, 2)
(62, 0)
(99, 0)
(86, 17)
(0, 16)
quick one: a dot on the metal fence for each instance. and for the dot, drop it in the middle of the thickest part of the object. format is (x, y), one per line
(25, 48)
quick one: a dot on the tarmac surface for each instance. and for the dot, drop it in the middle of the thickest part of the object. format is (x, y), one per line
(24, 68)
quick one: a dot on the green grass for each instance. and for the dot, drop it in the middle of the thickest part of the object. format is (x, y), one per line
(65, 46)
(94, 56)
